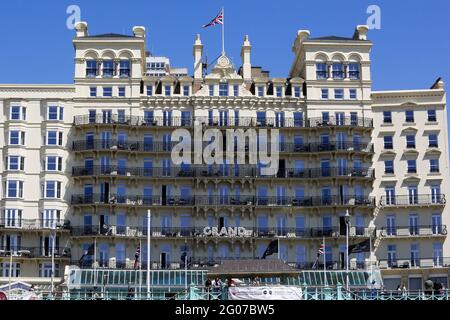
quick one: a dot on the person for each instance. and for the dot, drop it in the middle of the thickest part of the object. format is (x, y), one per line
(130, 293)
(230, 282)
(217, 286)
(404, 291)
(208, 288)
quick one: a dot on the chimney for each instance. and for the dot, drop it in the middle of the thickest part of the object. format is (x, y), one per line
(139, 31)
(82, 29)
(302, 35)
(245, 56)
(198, 51)
(361, 32)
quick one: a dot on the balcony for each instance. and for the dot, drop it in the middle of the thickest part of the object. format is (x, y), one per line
(225, 200)
(333, 121)
(131, 200)
(413, 200)
(326, 201)
(220, 171)
(343, 146)
(415, 231)
(128, 146)
(435, 262)
(127, 120)
(33, 224)
(35, 253)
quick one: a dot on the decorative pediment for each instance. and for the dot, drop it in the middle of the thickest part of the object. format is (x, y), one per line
(223, 70)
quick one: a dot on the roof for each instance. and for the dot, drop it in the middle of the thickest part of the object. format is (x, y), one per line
(111, 35)
(335, 38)
(255, 267)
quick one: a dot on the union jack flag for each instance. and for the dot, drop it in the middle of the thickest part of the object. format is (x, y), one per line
(321, 250)
(217, 20)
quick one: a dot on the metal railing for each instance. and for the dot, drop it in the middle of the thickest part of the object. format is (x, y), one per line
(205, 200)
(224, 171)
(217, 121)
(411, 231)
(433, 262)
(35, 252)
(33, 224)
(413, 200)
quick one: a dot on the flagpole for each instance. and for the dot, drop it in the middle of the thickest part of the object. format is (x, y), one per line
(370, 258)
(223, 31)
(278, 248)
(149, 216)
(185, 266)
(325, 262)
(95, 260)
(140, 269)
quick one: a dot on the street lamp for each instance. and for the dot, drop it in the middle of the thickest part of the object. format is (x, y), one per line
(347, 226)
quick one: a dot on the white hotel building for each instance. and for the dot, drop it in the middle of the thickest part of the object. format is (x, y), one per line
(94, 157)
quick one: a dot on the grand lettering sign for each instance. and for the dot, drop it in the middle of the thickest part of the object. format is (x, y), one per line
(227, 232)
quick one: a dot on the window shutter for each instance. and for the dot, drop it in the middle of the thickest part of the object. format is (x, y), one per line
(7, 163)
(23, 137)
(59, 163)
(61, 113)
(22, 163)
(20, 189)
(24, 113)
(58, 189)
(60, 134)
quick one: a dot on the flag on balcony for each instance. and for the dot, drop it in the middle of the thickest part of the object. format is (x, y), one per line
(271, 249)
(137, 256)
(216, 20)
(88, 252)
(359, 247)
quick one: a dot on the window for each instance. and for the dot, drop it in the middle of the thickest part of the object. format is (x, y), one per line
(278, 91)
(353, 94)
(121, 91)
(18, 113)
(167, 90)
(260, 91)
(354, 118)
(93, 91)
(223, 89)
(260, 118)
(52, 189)
(91, 68)
(107, 91)
(124, 68)
(297, 92)
(338, 93)
(185, 91)
(298, 119)
(14, 189)
(353, 71)
(53, 163)
(389, 166)
(412, 166)
(434, 165)
(45, 269)
(148, 117)
(149, 90)
(325, 94)
(211, 90)
(236, 90)
(433, 141)
(321, 71)
(15, 163)
(5, 268)
(54, 138)
(388, 142)
(16, 137)
(108, 68)
(338, 71)
(387, 117)
(409, 116)
(432, 115)
(410, 141)
(55, 113)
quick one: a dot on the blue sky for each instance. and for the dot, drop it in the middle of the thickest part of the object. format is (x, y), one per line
(410, 51)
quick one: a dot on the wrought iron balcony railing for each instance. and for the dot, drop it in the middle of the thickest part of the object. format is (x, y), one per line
(218, 121)
(217, 232)
(434, 262)
(35, 252)
(221, 171)
(33, 224)
(413, 200)
(161, 146)
(205, 200)
(411, 231)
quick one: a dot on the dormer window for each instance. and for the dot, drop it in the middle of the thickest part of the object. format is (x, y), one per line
(223, 89)
(236, 90)
(185, 91)
(167, 90)
(125, 68)
(297, 92)
(260, 91)
(91, 68)
(108, 68)
(211, 90)
(278, 91)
